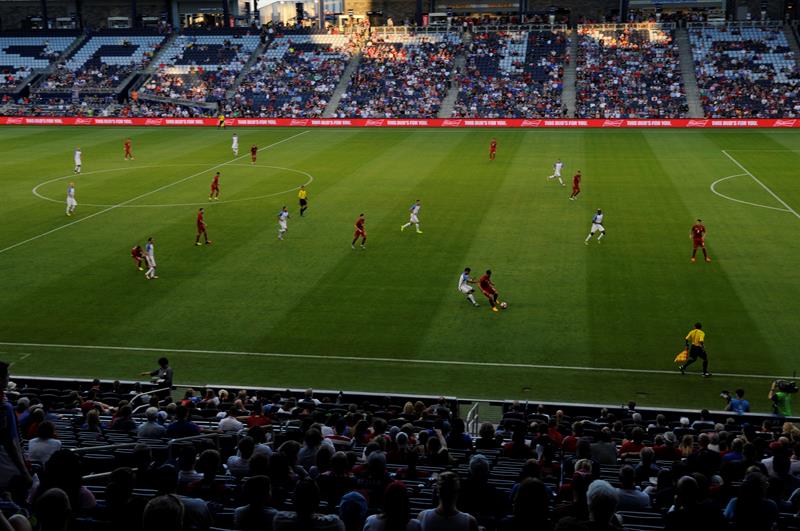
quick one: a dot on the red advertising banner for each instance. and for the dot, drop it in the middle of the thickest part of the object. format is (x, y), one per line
(711, 123)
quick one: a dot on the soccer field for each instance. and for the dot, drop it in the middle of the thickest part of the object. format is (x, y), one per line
(585, 323)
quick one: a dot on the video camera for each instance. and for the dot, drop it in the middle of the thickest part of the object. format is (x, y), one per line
(786, 386)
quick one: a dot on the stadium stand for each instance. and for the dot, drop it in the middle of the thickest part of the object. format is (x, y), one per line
(115, 446)
(295, 77)
(513, 75)
(629, 71)
(103, 61)
(401, 76)
(22, 53)
(201, 66)
(746, 71)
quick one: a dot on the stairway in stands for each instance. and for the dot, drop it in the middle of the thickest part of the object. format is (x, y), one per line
(792, 36)
(449, 102)
(688, 73)
(336, 97)
(570, 75)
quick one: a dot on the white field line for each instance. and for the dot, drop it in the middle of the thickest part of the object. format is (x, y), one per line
(764, 186)
(729, 198)
(151, 192)
(310, 179)
(147, 350)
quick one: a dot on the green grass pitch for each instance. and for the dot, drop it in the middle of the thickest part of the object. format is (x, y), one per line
(390, 318)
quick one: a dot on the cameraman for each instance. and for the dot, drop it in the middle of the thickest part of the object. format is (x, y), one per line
(738, 404)
(781, 395)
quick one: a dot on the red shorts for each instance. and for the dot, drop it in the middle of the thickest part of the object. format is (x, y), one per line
(360, 234)
(215, 188)
(576, 188)
(490, 294)
(253, 158)
(491, 150)
(201, 229)
(137, 258)
(698, 243)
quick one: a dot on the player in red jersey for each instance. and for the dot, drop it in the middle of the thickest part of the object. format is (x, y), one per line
(698, 236)
(128, 153)
(576, 186)
(201, 228)
(488, 289)
(492, 149)
(253, 153)
(214, 188)
(137, 253)
(360, 232)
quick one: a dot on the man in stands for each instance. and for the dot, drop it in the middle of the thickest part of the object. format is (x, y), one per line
(182, 427)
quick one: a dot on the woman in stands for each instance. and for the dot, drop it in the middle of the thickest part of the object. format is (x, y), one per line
(63, 471)
(395, 512)
(45, 444)
(531, 508)
(446, 517)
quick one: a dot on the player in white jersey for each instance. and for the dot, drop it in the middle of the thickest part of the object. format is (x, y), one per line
(557, 172)
(464, 286)
(71, 202)
(235, 145)
(413, 218)
(150, 256)
(597, 225)
(283, 215)
(77, 157)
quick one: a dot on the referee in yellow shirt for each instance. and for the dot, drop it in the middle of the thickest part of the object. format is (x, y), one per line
(695, 343)
(302, 195)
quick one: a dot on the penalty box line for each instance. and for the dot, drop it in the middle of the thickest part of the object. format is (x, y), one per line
(764, 186)
(489, 364)
(141, 196)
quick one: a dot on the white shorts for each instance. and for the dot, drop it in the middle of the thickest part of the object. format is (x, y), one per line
(77, 163)
(151, 262)
(466, 289)
(413, 218)
(282, 225)
(235, 147)
(71, 202)
(597, 227)
(557, 173)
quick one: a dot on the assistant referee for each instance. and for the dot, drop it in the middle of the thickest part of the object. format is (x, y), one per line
(695, 343)
(302, 195)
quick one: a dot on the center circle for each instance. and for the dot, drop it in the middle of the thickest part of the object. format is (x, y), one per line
(309, 180)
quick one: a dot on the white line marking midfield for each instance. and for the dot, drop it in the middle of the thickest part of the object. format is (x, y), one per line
(378, 360)
(764, 186)
(151, 192)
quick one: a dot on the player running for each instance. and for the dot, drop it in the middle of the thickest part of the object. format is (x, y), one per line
(214, 188)
(576, 186)
(71, 202)
(77, 157)
(253, 153)
(302, 196)
(127, 148)
(283, 216)
(464, 286)
(150, 256)
(360, 232)
(413, 218)
(597, 225)
(557, 172)
(137, 253)
(492, 149)
(201, 228)
(698, 236)
(235, 145)
(488, 289)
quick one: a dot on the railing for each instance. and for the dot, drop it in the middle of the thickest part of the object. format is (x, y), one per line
(489, 28)
(107, 447)
(739, 24)
(666, 26)
(473, 419)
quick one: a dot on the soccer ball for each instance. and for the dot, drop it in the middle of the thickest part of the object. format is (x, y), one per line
(504, 305)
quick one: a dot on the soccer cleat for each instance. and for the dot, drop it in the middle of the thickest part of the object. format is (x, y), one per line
(353, 247)
(693, 259)
(198, 243)
(476, 304)
(586, 242)
(419, 232)
(141, 269)
(494, 309)
(363, 246)
(682, 368)
(402, 228)
(69, 214)
(708, 259)
(208, 242)
(706, 375)
(154, 276)
(572, 199)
